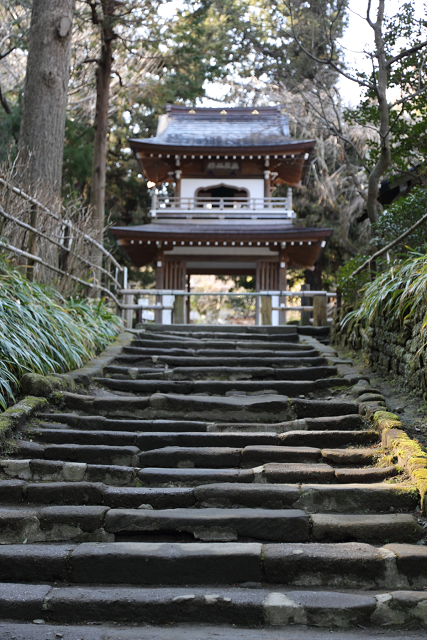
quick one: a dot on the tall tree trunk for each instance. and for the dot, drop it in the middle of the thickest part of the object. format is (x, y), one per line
(103, 78)
(384, 159)
(41, 136)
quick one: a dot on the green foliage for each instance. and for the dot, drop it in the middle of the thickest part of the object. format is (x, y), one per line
(351, 286)
(399, 217)
(41, 332)
(407, 79)
(78, 151)
(397, 294)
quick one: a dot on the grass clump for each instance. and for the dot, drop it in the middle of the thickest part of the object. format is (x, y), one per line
(42, 332)
(398, 293)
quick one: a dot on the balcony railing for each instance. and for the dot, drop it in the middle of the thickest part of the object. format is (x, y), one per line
(221, 208)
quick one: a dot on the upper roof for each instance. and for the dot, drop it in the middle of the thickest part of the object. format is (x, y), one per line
(221, 127)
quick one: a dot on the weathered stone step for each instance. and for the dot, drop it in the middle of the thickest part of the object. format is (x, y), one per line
(349, 422)
(86, 453)
(58, 471)
(220, 457)
(233, 351)
(374, 529)
(236, 360)
(218, 330)
(240, 408)
(211, 525)
(152, 440)
(220, 333)
(53, 524)
(203, 605)
(94, 422)
(314, 498)
(227, 344)
(224, 373)
(276, 473)
(215, 387)
(102, 524)
(341, 565)
(321, 439)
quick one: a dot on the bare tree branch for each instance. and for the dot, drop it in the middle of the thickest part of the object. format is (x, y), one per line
(405, 53)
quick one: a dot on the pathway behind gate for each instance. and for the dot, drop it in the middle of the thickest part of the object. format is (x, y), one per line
(212, 475)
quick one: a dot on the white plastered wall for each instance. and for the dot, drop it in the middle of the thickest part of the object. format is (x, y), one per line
(254, 186)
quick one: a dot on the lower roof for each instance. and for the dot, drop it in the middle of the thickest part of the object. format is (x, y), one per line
(221, 232)
(141, 242)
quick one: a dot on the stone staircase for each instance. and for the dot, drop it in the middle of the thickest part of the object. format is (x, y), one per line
(213, 474)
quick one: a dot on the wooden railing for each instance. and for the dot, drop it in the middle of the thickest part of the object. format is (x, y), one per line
(166, 304)
(167, 206)
(58, 245)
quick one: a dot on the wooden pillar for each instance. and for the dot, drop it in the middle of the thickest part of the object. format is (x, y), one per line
(160, 273)
(188, 298)
(267, 187)
(283, 285)
(178, 174)
(320, 311)
(305, 315)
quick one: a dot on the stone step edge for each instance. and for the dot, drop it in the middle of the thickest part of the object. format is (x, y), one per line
(132, 456)
(338, 565)
(159, 606)
(21, 469)
(302, 495)
(102, 524)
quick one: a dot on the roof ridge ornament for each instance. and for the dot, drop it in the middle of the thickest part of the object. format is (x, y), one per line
(223, 112)
(192, 111)
(255, 112)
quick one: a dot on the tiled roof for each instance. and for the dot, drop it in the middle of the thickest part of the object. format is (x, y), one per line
(222, 127)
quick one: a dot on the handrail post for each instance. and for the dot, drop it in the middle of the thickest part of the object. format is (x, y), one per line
(258, 310)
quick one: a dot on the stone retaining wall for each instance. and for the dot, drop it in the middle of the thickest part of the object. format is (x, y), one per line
(391, 347)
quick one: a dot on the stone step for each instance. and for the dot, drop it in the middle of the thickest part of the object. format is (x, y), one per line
(152, 440)
(217, 334)
(349, 422)
(219, 387)
(314, 498)
(332, 609)
(84, 453)
(339, 565)
(227, 344)
(243, 350)
(220, 457)
(216, 387)
(97, 422)
(22, 525)
(290, 342)
(223, 373)
(217, 330)
(236, 360)
(212, 525)
(193, 456)
(374, 529)
(240, 408)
